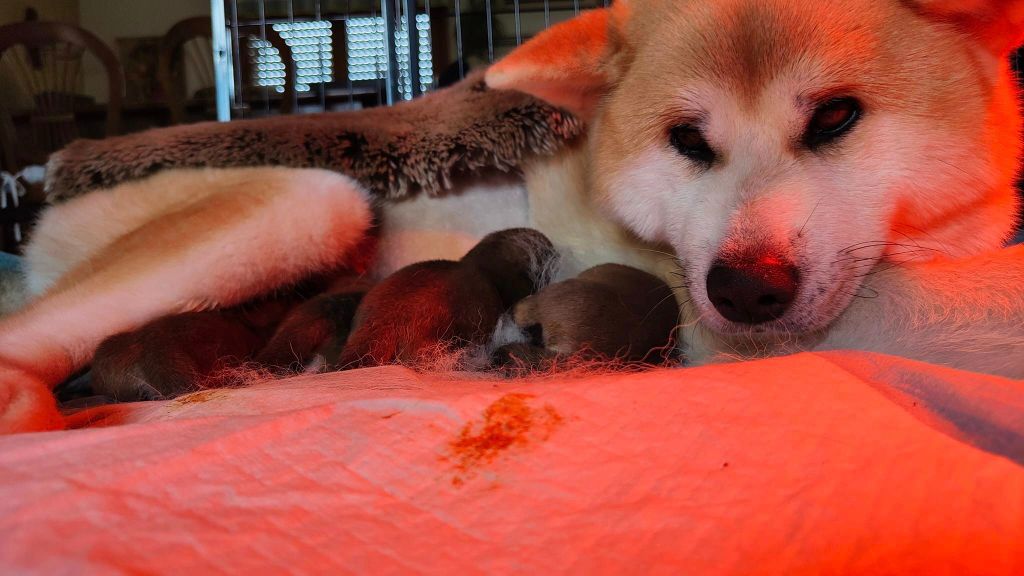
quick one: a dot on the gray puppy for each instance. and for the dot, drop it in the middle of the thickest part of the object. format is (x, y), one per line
(609, 312)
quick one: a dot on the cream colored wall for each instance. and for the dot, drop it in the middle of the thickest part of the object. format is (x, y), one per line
(113, 19)
(108, 19)
(59, 10)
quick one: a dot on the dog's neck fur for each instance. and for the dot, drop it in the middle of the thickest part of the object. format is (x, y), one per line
(562, 207)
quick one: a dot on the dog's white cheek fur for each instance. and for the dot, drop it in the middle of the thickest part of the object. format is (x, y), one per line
(944, 187)
(639, 195)
(923, 312)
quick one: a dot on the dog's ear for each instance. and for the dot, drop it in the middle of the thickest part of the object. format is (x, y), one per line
(999, 24)
(567, 65)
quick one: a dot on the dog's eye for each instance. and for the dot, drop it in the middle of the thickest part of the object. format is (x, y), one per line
(689, 142)
(832, 120)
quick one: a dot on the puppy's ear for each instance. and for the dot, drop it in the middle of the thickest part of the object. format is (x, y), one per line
(999, 24)
(567, 65)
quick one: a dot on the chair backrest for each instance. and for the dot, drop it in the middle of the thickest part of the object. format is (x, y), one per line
(7, 134)
(247, 66)
(186, 53)
(288, 98)
(45, 60)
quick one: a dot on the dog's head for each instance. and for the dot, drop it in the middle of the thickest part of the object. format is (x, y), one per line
(784, 148)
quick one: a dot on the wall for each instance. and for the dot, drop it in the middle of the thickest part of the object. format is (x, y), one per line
(59, 10)
(113, 19)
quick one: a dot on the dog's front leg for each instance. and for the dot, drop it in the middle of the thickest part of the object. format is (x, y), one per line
(218, 251)
(966, 313)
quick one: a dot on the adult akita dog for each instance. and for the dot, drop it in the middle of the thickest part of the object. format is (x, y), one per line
(789, 156)
(785, 149)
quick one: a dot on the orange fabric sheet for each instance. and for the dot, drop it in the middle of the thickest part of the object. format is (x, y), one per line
(813, 464)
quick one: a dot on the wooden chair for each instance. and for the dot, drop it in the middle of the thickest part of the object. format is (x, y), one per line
(8, 157)
(289, 97)
(44, 61)
(11, 216)
(186, 53)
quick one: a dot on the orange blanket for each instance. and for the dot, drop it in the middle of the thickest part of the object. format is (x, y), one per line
(813, 464)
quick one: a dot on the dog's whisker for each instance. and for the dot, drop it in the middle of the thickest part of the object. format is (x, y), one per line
(884, 244)
(655, 307)
(670, 255)
(800, 234)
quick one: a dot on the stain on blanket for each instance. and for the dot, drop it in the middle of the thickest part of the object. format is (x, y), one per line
(510, 422)
(198, 397)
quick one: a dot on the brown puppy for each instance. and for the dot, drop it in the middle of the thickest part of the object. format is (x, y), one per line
(316, 331)
(446, 303)
(174, 354)
(609, 312)
(419, 307)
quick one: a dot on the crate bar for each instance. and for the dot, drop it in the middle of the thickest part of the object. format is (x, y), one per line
(263, 34)
(458, 38)
(387, 12)
(293, 64)
(490, 31)
(237, 54)
(377, 82)
(414, 47)
(519, 27)
(348, 73)
(318, 16)
(221, 61)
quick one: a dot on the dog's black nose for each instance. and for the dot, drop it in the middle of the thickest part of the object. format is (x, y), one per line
(752, 292)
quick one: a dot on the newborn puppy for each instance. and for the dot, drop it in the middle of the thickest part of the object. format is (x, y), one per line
(314, 334)
(173, 354)
(447, 303)
(414, 310)
(607, 312)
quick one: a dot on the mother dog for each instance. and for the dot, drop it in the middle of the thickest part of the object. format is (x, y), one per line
(825, 174)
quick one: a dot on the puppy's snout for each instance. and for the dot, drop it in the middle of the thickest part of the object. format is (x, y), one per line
(754, 291)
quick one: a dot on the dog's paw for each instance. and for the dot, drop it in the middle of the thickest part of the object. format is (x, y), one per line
(26, 404)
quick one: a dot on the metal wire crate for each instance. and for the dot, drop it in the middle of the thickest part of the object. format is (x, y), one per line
(357, 53)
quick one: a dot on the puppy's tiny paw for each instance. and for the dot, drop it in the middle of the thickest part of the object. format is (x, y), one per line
(147, 393)
(521, 357)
